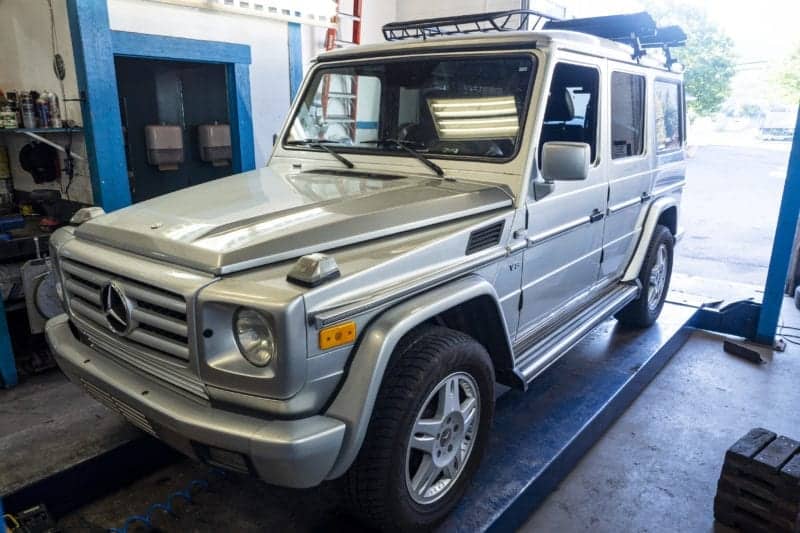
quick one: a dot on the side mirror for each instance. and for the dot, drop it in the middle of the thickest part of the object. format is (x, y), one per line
(565, 161)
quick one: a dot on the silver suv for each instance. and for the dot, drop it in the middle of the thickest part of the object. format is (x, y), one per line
(437, 216)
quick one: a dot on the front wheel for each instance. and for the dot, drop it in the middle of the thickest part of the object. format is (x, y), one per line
(428, 431)
(654, 278)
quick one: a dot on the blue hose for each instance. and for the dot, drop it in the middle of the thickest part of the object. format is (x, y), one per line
(146, 519)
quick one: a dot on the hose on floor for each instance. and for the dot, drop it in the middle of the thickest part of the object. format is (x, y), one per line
(168, 507)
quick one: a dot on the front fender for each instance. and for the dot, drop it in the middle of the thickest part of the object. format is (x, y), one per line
(355, 401)
(651, 221)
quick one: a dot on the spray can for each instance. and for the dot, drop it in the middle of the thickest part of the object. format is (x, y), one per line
(43, 111)
(8, 117)
(28, 110)
(55, 110)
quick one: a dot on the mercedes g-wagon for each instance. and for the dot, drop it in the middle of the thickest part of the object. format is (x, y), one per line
(440, 213)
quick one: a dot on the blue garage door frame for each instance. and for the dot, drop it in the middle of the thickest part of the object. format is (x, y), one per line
(95, 45)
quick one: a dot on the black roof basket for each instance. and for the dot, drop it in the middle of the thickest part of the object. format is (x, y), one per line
(638, 30)
(514, 20)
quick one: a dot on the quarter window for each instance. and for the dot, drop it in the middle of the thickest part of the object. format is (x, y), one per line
(668, 116)
(627, 115)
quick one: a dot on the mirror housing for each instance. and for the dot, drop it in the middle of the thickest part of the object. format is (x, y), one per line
(565, 161)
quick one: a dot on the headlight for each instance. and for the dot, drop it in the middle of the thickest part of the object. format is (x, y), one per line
(254, 336)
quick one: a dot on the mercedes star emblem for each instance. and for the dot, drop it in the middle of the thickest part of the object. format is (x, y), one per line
(117, 309)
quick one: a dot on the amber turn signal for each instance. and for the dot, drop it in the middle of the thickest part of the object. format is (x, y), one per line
(337, 335)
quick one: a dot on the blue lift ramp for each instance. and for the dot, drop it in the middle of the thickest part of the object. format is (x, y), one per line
(541, 434)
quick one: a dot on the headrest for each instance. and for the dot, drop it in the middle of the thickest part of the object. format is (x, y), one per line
(559, 106)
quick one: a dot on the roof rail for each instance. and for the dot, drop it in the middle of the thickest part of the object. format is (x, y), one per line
(638, 30)
(513, 20)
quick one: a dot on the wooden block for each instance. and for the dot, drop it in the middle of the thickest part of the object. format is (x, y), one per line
(775, 455)
(790, 473)
(727, 513)
(752, 443)
(750, 515)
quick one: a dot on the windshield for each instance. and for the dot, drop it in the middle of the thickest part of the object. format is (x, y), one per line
(454, 108)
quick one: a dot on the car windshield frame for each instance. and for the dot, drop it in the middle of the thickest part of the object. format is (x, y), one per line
(375, 149)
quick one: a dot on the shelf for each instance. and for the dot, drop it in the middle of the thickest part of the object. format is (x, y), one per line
(39, 131)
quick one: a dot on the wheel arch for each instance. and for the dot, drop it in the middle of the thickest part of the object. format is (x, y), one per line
(663, 211)
(356, 399)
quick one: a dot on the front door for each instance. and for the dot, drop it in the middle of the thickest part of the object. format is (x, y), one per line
(565, 227)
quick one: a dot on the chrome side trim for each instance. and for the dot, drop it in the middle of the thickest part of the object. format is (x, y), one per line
(624, 205)
(558, 230)
(534, 360)
(669, 188)
(405, 289)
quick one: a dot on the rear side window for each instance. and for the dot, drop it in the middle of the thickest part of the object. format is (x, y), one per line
(669, 135)
(627, 115)
(571, 112)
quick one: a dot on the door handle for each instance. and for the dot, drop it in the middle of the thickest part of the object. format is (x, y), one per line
(645, 196)
(596, 215)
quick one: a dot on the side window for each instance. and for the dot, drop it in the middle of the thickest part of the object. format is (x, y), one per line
(627, 115)
(668, 116)
(571, 112)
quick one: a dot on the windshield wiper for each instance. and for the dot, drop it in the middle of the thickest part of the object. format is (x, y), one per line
(403, 145)
(321, 144)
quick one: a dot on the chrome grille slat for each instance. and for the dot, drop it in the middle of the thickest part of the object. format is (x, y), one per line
(167, 324)
(159, 316)
(159, 343)
(143, 359)
(83, 291)
(133, 415)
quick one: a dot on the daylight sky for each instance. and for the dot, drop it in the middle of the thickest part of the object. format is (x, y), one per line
(763, 30)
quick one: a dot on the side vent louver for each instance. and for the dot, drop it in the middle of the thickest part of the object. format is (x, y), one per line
(483, 238)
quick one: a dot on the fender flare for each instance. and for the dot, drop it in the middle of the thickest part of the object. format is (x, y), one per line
(648, 228)
(354, 402)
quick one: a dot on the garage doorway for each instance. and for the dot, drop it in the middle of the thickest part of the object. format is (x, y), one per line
(175, 93)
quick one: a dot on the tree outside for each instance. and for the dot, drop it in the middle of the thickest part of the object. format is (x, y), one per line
(789, 76)
(708, 56)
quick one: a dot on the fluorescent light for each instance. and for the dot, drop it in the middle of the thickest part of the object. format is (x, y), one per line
(475, 118)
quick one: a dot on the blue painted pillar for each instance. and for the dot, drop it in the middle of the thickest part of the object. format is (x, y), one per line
(295, 59)
(242, 140)
(97, 85)
(8, 368)
(782, 246)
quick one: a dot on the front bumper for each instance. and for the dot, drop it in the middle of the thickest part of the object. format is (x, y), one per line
(290, 453)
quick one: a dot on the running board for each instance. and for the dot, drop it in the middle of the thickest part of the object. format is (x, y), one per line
(547, 350)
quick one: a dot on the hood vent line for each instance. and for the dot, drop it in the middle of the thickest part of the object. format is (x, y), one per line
(484, 238)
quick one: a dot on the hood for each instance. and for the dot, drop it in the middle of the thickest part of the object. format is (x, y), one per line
(263, 217)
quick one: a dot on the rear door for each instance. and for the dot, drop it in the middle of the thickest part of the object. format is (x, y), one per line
(565, 227)
(629, 169)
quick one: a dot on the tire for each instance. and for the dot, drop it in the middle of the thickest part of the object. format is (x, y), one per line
(381, 483)
(654, 278)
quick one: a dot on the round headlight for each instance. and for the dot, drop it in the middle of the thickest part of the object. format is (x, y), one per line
(254, 337)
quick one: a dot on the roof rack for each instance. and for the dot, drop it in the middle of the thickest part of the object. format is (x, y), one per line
(514, 20)
(638, 30)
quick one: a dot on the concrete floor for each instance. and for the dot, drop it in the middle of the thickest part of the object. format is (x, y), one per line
(47, 424)
(656, 468)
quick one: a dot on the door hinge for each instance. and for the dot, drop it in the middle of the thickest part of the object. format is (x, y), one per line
(519, 305)
(602, 254)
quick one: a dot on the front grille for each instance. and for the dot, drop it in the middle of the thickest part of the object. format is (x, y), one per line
(159, 316)
(133, 415)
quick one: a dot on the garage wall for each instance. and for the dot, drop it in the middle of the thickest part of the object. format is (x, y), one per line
(26, 64)
(269, 71)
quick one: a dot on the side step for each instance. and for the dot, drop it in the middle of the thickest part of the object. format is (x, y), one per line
(546, 351)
